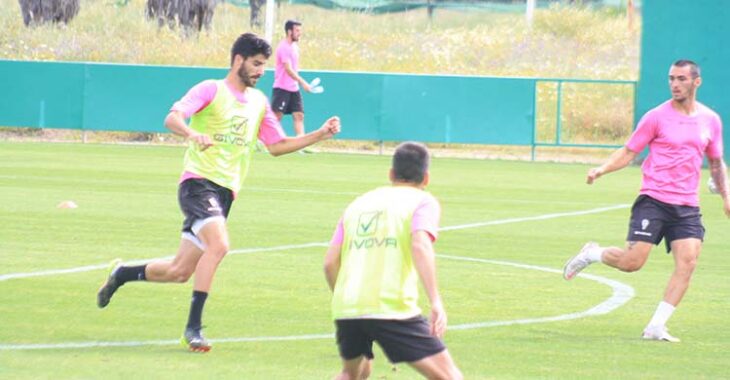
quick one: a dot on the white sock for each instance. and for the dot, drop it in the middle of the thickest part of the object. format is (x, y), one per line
(662, 314)
(595, 254)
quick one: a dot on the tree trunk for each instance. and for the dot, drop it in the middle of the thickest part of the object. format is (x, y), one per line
(257, 13)
(36, 12)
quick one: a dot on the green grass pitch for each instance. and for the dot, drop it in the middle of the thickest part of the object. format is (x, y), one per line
(268, 312)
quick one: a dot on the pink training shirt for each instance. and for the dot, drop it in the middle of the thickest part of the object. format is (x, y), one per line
(286, 52)
(204, 92)
(677, 144)
(425, 218)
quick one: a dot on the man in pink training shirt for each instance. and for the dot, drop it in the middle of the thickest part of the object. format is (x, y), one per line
(286, 98)
(679, 132)
(227, 117)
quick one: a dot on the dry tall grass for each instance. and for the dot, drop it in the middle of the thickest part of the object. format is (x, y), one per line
(563, 42)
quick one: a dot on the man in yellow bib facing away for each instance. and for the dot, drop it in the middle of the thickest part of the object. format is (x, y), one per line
(381, 247)
(227, 117)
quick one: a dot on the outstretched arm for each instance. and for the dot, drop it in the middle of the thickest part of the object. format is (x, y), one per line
(425, 262)
(330, 128)
(718, 170)
(618, 160)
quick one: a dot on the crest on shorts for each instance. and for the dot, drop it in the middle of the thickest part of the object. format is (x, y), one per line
(214, 205)
(644, 223)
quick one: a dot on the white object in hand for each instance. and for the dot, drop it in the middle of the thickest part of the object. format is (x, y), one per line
(317, 90)
(315, 82)
(711, 186)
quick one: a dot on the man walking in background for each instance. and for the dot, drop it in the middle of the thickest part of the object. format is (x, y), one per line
(382, 246)
(226, 118)
(679, 132)
(286, 98)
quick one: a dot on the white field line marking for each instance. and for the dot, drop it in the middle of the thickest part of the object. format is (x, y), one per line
(51, 272)
(170, 342)
(621, 294)
(88, 268)
(538, 217)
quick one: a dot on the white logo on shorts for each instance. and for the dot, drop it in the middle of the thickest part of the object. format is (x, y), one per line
(214, 206)
(644, 223)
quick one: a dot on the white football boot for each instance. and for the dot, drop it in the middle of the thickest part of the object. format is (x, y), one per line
(578, 262)
(658, 333)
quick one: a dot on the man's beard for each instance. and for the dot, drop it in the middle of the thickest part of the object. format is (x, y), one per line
(683, 97)
(245, 79)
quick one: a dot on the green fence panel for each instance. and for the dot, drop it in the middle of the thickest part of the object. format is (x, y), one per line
(451, 109)
(354, 97)
(372, 106)
(41, 94)
(136, 98)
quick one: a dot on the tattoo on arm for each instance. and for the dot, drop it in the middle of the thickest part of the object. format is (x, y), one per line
(631, 243)
(719, 174)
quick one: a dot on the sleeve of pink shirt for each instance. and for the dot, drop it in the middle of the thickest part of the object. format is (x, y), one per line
(427, 217)
(715, 148)
(196, 99)
(270, 131)
(644, 133)
(339, 234)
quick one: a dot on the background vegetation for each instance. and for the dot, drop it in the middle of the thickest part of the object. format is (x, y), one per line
(567, 42)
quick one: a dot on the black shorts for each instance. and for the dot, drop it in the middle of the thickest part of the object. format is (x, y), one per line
(201, 199)
(407, 340)
(652, 220)
(286, 102)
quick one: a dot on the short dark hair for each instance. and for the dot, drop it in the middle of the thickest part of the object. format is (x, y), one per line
(410, 162)
(290, 24)
(248, 45)
(694, 68)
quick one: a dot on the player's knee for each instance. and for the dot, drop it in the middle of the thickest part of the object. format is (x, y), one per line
(344, 375)
(687, 266)
(631, 266)
(444, 373)
(181, 274)
(689, 263)
(631, 262)
(455, 374)
(218, 249)
(450, 375)
(365, 372)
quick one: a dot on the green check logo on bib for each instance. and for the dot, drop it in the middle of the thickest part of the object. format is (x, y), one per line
(368, 223)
